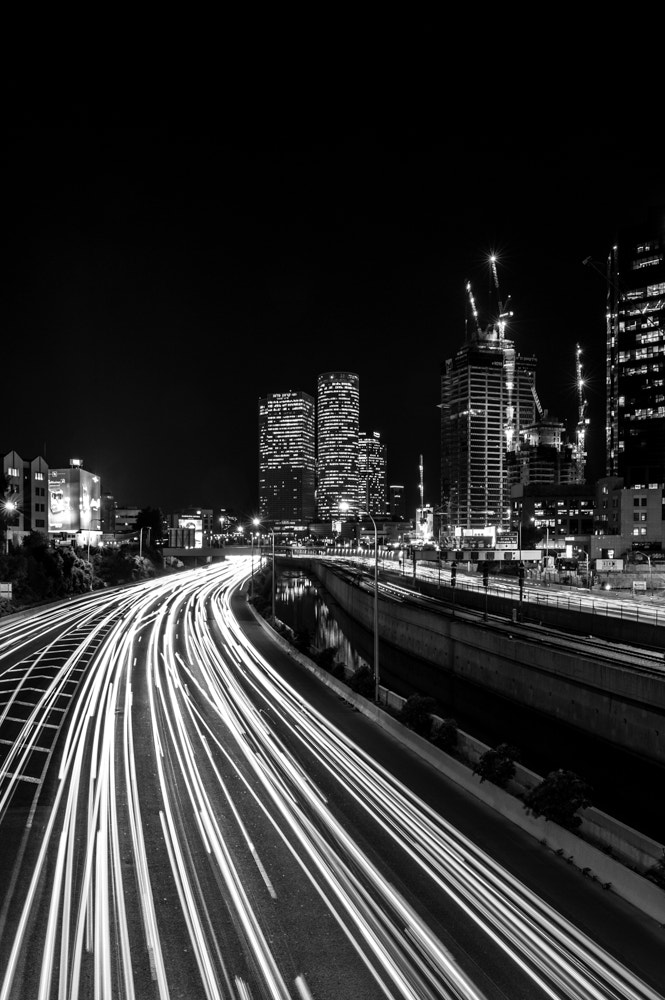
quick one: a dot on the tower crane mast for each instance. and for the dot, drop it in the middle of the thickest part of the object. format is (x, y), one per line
(582, 419)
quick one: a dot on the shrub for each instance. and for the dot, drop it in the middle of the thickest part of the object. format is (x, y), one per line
(362, 681)
(558, 797)
(339, 671)
(326, 657)
(446, 735)
(302, 640)
(416, 714)
(497, 765)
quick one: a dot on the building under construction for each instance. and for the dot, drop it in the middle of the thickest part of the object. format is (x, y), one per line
(494, 431)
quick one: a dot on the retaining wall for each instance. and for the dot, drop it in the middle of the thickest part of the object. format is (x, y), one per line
(608, 698)
(592, 861)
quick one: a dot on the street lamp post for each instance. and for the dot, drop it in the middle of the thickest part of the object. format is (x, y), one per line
(343, 506)
(520, 565)
(258, 522)
(376, 609)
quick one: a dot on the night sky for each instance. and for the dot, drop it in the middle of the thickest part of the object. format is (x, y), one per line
(166, 266)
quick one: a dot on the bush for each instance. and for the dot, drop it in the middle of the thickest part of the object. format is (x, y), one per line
(558, 797)
(339, 671)
(362, 681)
(497, 765)
(446, 735)
(416, 714)
(326, 657)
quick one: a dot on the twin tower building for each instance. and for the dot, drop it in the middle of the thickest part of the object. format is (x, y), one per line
(315, 464)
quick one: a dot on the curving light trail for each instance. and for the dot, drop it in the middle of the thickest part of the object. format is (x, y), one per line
(179, 748)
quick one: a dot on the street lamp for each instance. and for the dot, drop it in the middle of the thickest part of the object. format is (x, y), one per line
(10, 509)
(344, 506)
(258, 522)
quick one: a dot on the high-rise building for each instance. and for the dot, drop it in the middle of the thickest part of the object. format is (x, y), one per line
(487, 398)
(396, 502)
(337, 419)
(545, 455)
(287, 459)
(372, 473)
(635, 373)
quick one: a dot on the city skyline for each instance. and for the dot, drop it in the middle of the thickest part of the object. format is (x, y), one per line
(163, 277)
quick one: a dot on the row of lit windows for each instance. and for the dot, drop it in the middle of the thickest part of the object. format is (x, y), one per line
(647, 261)
(640, 352)
(651, 336)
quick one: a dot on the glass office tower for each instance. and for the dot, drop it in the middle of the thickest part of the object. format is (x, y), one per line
(487, 397)
(635, 373)
(338, 414)
(287, 459)
(372, 473)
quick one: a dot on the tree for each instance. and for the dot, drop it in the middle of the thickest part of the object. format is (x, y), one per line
(362, 681)
(416, 714)
(497, 765)
(558, 797)
(446, 735)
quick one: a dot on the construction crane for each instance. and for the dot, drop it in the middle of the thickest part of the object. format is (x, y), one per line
(582, 419)
(539, 408)
(504, 313)
(472, 302)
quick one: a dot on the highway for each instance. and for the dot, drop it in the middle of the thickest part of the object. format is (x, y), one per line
(179, 820)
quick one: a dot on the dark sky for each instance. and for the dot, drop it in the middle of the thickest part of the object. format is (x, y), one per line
(166, 266)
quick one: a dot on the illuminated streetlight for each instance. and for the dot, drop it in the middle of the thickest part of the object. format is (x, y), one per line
(10, 508)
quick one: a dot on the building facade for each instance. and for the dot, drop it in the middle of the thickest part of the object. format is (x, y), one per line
(545, 455)
(372, 474)
(25, 501)
(487, 398)
(396, 502)
(558, 512)
(337, 432)
(635, 360)
(287, 459)
(74, 502)
(629, 518)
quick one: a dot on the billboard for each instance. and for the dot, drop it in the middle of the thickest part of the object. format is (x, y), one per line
(74, 500)
(196, 523)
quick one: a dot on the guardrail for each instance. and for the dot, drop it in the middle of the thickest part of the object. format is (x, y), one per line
(628, 610)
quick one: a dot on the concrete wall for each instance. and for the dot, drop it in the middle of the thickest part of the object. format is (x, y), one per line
(602, 694)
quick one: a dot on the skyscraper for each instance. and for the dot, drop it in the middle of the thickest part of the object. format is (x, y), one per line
(635, 373)
(397, 506)
(287, 458)
(487, 397)
(338, 414)
(372, 473)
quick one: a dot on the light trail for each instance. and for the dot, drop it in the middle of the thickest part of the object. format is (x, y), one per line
(178, 741)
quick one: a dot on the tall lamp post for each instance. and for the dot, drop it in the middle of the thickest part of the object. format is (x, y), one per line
(344, 507)
(10, 510)
(251, 585)
(258, 522)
